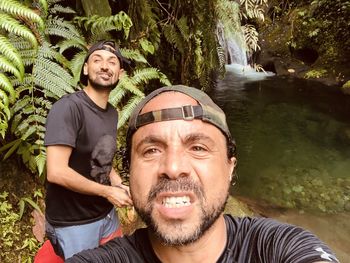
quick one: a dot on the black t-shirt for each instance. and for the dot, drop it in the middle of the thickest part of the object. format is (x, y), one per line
(75, 120)
(249, 240)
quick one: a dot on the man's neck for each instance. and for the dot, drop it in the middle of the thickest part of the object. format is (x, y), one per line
(99, 97)
(207, 249)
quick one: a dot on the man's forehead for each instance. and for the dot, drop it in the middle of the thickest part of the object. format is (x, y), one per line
(101, 52)
(169, 99)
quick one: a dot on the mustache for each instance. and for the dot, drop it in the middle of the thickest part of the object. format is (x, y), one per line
(181, 184)
(104, 72)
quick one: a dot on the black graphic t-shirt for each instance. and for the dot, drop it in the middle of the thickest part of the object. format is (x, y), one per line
(249, 240)
(75, 120)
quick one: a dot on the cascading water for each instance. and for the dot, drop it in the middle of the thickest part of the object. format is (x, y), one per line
(236, 54)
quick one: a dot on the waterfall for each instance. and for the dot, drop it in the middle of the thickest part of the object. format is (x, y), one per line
(234, 46)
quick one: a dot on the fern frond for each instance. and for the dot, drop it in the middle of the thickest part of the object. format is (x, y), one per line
(117, 94)
(4, 106)
(6, 85)
(124, 115)
(251, 37)
(133, 54)
(62, 28)
(56, 9)
(76, 64)
(142, 76)
(20, 43)
(183, 27)
(71, 43)
(49, 53)
(7, 66)
(12, 26)
(17, 9)
(21, 103)
(173, 37)
(40, 160)
(47, 84)
(164, 79)
(43, 6)
(5, 100)
(118, 22)
(11, 53)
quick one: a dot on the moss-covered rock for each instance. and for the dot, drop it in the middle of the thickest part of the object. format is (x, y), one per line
(307, 39)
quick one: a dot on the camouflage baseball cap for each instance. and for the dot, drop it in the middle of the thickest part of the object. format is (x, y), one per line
(108, 45)
(206, 111)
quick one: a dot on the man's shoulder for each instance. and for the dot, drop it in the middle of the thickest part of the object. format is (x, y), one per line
(126, 249)
(253, 223)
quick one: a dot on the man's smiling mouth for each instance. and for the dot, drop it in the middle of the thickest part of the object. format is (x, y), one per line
(176, 201)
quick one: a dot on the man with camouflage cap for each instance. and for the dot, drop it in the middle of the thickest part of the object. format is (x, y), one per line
(83, 188)
(182, 158)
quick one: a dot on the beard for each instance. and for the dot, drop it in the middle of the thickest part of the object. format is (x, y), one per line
(98, 86)
(176, 232)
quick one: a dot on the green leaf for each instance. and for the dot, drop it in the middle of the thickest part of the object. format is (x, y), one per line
(147, 45)
(32, 203)
(15, 145)
(41, 162)
(21, 205)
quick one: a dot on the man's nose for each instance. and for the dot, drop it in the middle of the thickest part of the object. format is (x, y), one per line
(104, 65)
(174, 164)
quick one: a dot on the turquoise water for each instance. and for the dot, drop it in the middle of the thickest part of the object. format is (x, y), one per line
(293, 139)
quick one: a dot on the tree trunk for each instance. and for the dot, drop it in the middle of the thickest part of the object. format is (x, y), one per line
(93, 7)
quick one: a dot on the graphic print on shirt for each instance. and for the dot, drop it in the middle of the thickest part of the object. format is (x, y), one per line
(102, 158)
(326, 255)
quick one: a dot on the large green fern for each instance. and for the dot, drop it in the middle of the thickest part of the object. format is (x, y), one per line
(33, 77)
(31, 91)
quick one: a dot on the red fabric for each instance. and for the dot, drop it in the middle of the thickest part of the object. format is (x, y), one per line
(117, 233)
(46, 254)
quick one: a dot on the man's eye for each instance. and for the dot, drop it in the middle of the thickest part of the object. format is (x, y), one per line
(150, 151)
(198, 148)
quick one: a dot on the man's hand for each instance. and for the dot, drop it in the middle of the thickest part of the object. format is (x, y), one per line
(118, 195)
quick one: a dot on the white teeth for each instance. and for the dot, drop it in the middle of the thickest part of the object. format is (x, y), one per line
(174, 202)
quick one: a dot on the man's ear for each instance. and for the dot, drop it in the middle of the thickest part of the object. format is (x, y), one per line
(85, 69)
(121, 73)
(233, 163)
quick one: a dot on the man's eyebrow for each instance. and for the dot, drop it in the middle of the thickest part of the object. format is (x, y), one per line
(198, 136)
(190, 138)
(151, 139)
(109, 58)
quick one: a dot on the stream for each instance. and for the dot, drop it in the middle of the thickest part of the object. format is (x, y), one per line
(293, 144)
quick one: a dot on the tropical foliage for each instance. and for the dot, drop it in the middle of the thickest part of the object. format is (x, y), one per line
(43, 44)
(40, 61)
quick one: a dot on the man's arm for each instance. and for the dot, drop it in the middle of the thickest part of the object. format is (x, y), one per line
(115, 178)
(60, 173)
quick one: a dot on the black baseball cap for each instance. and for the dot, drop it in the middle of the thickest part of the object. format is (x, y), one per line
(108, 45)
